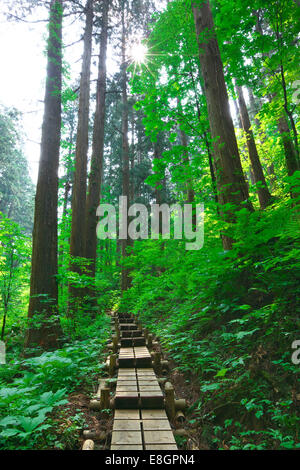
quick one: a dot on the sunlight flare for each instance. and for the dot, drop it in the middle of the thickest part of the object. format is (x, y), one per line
(138, 53)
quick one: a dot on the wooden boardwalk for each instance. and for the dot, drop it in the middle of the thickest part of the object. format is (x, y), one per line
(140, 419)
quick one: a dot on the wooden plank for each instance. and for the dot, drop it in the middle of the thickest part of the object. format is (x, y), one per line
(127, 394)
(141, 350)
(161, 447)
(127, 372)
(121, 447)
(138, 341)
(147, 378)
(152, 400)
(154, 414)
(152, 394)
(126, 351)
(156, 425)
(143, 361)
(131, 333)
(145, 373)
(126, 438)
(127, 425)
(151, 382)
(127, 326)
(159, 437)
(127, 342)
(127, 402)
(126, 361)
(127, 414)
(127, 381)
(126, 388)
(149, 388)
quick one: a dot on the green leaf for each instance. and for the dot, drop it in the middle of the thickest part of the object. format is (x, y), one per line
(222, 373)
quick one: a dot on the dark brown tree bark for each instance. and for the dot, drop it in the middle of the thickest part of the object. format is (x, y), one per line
(95, 177)
(290, 153)
(43, 284)
(231, 183)
(288, 111)
(248, 175)
(205, 137)
(125, 281)
(77, 247)
(132, 157)
(238, 115)
(263, 192)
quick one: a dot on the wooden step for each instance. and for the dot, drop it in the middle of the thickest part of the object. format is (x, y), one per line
(127, 320)
(142, 430)
(131, 333)
(138, 389)
(135, 341)
(140, 419)
(127, 326)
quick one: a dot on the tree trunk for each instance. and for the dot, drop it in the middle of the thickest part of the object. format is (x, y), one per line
(231, 183)
(288, 145)
(82, 143)
(289, 113)
(4, 321)
(94, 188)
(125, 282)
(132, 157)
(264, 195)
(248, 175)
(190, 193)
(206, 139)
(238, 115)
(64, 240)
(43, 284)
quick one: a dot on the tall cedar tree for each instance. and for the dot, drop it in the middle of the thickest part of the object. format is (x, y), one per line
(82, 143)
(288, 145)
(231, 184)
(94, 187)
(125, 282)
(264, 195)
(43, 284)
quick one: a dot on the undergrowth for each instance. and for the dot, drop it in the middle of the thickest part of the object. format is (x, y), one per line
(229, 319)
(33, 389)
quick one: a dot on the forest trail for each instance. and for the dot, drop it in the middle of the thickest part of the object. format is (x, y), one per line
(141, 410)
(157, 174)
